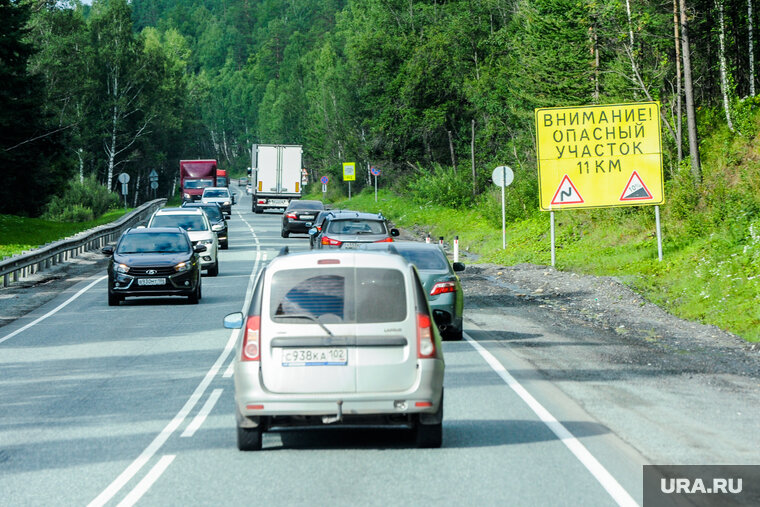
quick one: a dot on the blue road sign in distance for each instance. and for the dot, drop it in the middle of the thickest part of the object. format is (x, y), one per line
(324, 180)
(375, 171)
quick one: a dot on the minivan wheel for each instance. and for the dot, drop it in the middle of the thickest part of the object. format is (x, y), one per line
(249, 439)
(284, 233)
(427, 432)
(214, 270)
(429, 436)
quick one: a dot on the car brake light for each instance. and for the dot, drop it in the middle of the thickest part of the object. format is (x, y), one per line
(385, 240)
(330, 241)
(443, 288)
(292, 216)
(251, 339)
(425, 341)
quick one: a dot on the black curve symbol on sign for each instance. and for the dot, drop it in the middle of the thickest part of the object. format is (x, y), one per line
(563, 194)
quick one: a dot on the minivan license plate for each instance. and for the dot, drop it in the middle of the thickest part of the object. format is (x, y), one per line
(314, 357)
(151, 281)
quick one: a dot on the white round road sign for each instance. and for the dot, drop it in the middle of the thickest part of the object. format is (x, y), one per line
(124, 178)
(502, 176)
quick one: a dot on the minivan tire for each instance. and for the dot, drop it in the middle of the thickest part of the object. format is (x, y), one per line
(429, 435)
(249, 439)
(113, 299)
(453, 334)
(214, 270)
(284, 233)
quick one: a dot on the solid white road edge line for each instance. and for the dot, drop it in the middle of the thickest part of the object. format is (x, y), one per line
(608, 482)
(202, 414)
(139, 462)
(144, 485)
(53, 311)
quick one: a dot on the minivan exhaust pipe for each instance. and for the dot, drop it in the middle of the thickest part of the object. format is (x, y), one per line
(330, 419)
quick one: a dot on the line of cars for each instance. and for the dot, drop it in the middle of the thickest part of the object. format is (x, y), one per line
(348, 333)
(166, 257)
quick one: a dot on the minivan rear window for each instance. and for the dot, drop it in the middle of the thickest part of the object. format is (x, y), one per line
(339, 295)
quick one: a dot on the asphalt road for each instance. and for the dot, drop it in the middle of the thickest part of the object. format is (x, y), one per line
(108, 405)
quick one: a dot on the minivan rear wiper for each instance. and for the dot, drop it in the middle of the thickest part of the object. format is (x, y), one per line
(304, 316)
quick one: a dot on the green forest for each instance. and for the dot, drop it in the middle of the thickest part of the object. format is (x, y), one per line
(417, 87)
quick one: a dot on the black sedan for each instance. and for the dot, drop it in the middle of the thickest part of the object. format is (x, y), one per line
(159, 261)
(215, 218)
(299, 216)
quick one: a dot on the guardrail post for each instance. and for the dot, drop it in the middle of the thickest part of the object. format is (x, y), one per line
(6, 280)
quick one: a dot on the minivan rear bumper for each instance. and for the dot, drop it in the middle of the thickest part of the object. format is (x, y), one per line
(253, 400)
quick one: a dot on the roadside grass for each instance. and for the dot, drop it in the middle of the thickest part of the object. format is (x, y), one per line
(712, 279)
(18, 234)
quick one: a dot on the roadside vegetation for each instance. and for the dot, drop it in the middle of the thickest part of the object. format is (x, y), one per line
(18, 234)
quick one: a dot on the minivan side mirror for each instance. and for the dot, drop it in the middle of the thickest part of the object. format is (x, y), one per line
(199, 248)
(458, 266)
(108, 250)
(394, 232)
(313, 231)
(233, 320)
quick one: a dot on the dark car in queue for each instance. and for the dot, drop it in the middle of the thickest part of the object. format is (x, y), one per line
(299, 216)
(350, 229)
(319, 222)
(159, 261)
(438, 277)
(216, 217)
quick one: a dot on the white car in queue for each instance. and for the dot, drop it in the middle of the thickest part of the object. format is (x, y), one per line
(337, 338)
(196, 223)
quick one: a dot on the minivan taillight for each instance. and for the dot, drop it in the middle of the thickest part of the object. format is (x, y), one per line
(443, 287)
(251, 339)
(425, 340)
(330, 241)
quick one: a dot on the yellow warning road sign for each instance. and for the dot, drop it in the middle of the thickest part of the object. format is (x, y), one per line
(349, 171)
(599, 156)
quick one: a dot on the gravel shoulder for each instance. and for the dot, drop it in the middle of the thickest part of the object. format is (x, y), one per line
(678, 391)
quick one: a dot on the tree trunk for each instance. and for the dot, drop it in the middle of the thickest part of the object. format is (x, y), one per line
(111, 151)
(451, 149)
(137, 189)
(751, 50)
(630, 36)
(679, 92)
(472, 151)
(722, 59)
(691, 117)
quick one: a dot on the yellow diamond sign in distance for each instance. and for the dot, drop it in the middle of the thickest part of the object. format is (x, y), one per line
(599, 156)
(349, 171)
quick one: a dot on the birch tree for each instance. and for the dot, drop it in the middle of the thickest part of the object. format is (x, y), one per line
(723, 65)
(118, 59)
(751, 49)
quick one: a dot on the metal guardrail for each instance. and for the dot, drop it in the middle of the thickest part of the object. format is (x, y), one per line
(22, 265)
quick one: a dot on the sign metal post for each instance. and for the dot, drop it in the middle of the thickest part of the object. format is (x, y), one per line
(503, 176)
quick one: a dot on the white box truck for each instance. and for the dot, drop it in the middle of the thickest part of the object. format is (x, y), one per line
(276, 175)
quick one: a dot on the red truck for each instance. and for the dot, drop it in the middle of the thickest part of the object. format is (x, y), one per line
(221, 178)
(194, 176)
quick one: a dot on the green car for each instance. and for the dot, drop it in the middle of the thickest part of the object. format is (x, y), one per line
(439, 279)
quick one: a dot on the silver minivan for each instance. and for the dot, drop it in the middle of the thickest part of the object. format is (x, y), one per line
(337, 338)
